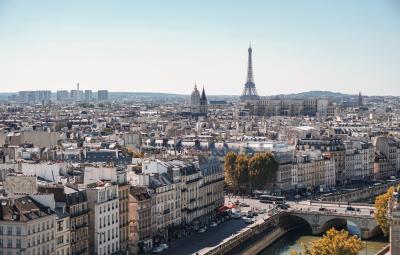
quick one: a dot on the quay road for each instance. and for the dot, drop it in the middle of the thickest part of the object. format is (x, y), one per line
(199, 243)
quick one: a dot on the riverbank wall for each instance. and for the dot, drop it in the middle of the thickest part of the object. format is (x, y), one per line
(265, 241)
(267, 228)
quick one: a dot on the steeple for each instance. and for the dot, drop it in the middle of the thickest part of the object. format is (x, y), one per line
(203, 103)
(203, 95)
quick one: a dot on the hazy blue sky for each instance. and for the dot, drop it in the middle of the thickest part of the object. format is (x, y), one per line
(165, 46)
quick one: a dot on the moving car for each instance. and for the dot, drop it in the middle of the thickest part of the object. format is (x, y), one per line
(284, 206)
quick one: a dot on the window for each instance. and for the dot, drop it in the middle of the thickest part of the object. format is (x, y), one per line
(18, 232)
(9, 231)
(9, 243)
(1, 230)
(18, 243)
(60, 226)
(1, 242)
(60, 239)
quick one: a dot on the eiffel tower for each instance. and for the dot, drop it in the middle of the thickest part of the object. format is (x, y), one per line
(249, 90)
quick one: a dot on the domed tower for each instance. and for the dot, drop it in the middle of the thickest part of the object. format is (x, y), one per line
(195, 100)
(203, 103)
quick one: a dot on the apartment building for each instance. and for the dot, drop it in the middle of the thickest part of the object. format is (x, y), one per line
(103, 204)
(75, 202)
(26, 227)
(191, 180)
(331, 147)
(211, 189)
(123, 194)
(140, 222)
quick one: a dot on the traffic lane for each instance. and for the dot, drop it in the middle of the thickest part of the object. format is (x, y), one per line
(338, 210)
(212, 237)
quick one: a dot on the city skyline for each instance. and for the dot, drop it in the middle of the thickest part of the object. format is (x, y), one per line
(343, 46)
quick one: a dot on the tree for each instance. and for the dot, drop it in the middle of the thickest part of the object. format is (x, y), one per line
(230, 170)
(242, 168)
(334, 242)
(262, 168)
(135, 154)
(381, 206)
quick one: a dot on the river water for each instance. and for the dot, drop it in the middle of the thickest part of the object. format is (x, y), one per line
(293, 241)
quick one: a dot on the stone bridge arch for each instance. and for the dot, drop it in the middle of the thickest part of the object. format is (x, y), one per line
(321, 222)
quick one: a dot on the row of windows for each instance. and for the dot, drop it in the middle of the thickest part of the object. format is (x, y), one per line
(45, 238)
(109, 235)
(9, 243)
(110, 249)
(9, 231)
(108, 207)
(108, 221)
(40, 227)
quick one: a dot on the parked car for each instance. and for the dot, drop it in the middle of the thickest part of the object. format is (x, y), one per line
(236, 215)
(244, 205)
(201, 230)
(248, 220)
(213, 224)
(164, 246)
(349, 208)
(322, 209)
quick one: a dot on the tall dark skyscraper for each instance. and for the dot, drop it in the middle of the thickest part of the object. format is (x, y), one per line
(249, 91)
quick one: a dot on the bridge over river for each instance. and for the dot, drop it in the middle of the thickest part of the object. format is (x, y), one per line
(323, 216)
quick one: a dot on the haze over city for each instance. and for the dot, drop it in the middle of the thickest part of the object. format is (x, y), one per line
(167, 46)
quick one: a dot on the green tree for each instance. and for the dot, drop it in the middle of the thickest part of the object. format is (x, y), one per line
(334, 242)
(242, 168)
(381, 206)
(230, 170)
(262, 168)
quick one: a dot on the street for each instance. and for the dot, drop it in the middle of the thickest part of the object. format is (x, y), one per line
(213, 236)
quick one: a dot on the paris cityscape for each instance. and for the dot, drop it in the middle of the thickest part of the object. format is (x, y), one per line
(110, 143)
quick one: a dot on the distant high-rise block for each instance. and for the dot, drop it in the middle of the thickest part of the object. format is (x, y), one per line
(88, 95)
(62, 95)
(34, 96)
(102, 95)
